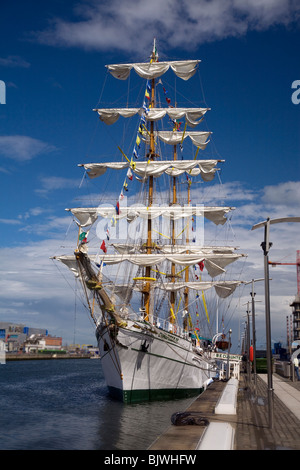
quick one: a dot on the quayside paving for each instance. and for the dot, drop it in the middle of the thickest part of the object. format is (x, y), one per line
(250, 423)
(252, 429)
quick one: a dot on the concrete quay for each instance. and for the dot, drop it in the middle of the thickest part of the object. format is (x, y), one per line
(38, 357)
(247, 428)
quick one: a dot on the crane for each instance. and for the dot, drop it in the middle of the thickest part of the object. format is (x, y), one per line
(273, 263)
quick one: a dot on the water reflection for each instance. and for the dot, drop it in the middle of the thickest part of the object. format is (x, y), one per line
(135, 426)
(65, 405)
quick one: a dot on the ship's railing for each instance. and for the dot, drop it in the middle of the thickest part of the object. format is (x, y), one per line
(165, 325)
(161, 324)
(224, 360)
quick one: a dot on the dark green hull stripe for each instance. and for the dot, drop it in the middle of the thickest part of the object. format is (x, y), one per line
(136, 396)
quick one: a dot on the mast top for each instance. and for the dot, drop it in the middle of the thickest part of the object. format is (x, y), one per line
(154, 55)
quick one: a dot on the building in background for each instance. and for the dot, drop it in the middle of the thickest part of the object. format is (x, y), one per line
(296, 318)
(14, 335)
(19, 338)
(40, 342)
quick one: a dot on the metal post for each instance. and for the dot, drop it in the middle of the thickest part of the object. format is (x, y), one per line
(228, 352)
(252, 293)
(266, 246)
(248, 345)
(254, 337)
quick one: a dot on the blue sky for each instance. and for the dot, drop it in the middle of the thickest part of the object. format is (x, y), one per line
(52, 58)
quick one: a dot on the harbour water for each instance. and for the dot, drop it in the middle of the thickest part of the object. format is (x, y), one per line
(64, 405)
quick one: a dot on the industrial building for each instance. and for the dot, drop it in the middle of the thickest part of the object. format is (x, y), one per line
(296, 318)
(19, 337)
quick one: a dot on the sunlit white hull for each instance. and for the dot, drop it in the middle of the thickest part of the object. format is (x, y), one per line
(145, 365)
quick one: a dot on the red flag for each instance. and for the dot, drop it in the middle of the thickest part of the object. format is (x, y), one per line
(103, 247)
(201, 265)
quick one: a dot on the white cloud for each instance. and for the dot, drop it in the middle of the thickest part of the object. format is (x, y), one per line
(51, 225)
(10, 221)
(50, 183)
(38, 293)
(281, 200)
(284, 194)
(14, 61)
(35, 211)
(54, 183)
(177, 24)
(228, 193)
(3, 170)
(27, 273)
(23, 148)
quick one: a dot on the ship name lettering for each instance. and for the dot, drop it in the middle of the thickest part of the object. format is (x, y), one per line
(170, 338)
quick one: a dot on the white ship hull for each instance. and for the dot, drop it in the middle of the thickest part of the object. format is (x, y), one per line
(145, 365)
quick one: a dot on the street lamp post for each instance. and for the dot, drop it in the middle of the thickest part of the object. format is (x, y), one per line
(252, 293)
(228, 352)
(254, 335)
(248, 345)
(248, 342)
(266, 245)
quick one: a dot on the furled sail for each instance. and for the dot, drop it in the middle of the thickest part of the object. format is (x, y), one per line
(173, 138)
(70, 262)
(138, 248)
(184, 69)
(193, 116)
(88, 215)
(110, 116)
(205, 168)
(223, 288)
(214, 263)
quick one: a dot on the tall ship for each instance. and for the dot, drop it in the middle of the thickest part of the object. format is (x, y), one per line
(140, 256)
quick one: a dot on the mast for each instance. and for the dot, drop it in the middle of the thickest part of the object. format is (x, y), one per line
(186, 274)
(173, 238)
(152, 167)
(150, 197)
